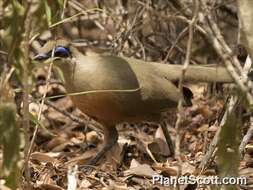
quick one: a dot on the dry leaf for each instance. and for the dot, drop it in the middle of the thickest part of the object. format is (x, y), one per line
(187, 168)
(43, 157)
(159, 146)
(92, 137)
(85, 183)
(166, 169)
(142, 170)
(83, 158)
(50, 187)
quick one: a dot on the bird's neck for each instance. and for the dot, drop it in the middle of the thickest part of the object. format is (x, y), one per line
(68, 69)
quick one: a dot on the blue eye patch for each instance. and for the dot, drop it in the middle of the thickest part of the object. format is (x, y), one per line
(61, 51)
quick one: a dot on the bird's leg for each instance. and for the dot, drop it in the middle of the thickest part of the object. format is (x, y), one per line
(167, 137)
(110, 138)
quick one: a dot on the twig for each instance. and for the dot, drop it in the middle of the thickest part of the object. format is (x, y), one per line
(180, 85)
(249, 134)
(64, 7)
(246, 138)
(231, 106)
(213, 34)
(179, 37)
(92, 92)
(89, 124)
(40, 108)
(3, 52)
(26, 121)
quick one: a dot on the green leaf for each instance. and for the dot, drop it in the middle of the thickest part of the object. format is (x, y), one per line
(48, 12)
(10, 140)
(60, 2)
(228, 156)
(36, 122)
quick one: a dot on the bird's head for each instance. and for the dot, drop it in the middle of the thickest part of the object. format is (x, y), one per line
(62, 53)
(55, 49)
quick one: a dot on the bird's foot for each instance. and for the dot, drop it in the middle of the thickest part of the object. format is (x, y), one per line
(110, 138)
(93, 161)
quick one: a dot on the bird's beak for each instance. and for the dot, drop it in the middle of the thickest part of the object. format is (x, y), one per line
(41, 57)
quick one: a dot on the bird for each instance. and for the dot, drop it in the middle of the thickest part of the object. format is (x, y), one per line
(114, 89)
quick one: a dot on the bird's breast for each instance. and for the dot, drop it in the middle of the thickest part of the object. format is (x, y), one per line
(106, 91)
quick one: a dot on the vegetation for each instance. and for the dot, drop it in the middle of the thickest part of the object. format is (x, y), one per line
(42, 134)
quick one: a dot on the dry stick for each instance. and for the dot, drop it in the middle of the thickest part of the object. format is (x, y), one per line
(231, 105)
(90, 124)
(5, 80)
(92, 92)
(225, 53)
(3, 52)
(64, 7)
(233, 59)
(225, 57)
(246, 138)
(207, 32)
(249, 133)
(183, 19)
(228, 63)
(185, 66)
(219, 49)
(41, 108)
(70, 19)
(26, 121)
(215, 29)
(222, 49)
(179, 37)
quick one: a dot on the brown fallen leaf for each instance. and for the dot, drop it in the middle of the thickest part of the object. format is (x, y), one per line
(50, 187)
(56, 141)
(159, 146)
(142, 170)
(187, 168)
(83, 158)
(92, 137)
(45, 175)
(44, 157)
(166, 169)
(116, 185)
(85, 184)
(61, 147)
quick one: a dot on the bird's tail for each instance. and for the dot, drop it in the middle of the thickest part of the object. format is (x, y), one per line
(195, 73)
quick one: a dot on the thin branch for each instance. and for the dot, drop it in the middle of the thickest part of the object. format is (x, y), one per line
(211, 149)
(89, 124)
(213, 34)
(230, 108)
(186, 64)
(246, 138)
(25, 78)
(40, 109)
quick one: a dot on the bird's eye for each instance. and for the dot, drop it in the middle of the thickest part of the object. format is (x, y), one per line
(61, 52)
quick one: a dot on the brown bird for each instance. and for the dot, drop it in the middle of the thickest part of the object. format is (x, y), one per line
(116, 89)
